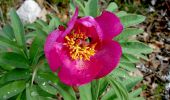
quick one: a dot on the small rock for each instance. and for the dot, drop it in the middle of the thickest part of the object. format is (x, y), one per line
(29, 11)
(153, 2)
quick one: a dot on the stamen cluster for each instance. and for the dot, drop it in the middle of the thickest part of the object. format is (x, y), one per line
(79, 47)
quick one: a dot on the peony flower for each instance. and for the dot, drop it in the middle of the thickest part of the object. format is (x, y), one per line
(84, 50)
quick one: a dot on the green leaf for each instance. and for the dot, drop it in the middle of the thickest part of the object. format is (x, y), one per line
(95, 89)
(129, 58)
(91, 8)
(28, 92)
(40, 26)
(30, 35)
(44, 84)
(132, 82)
(47, 87)
(103, 86)
(143, 56)
(91, 91)
(134, 47)
(72, 6)
(80, 4)
(9, 44)
(17, 28)
(131, 19)
(137, 98)
(119, 89)
(120, 73)
(85, 92)
(21, 96)
(121, 13)
(36, 49)
(112, 7)
(128, 32)
(32, 93)
(66, 91)
(8, 31)
(110, 95)
(135, 93)
(42, 32)
(43, 25)
(13, 59)
(33, 26)
(11, 89)
(127, 66)
(54, 23)
(41, 92)
(16, 74)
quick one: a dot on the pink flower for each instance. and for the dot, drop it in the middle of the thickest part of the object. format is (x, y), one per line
(84, 50)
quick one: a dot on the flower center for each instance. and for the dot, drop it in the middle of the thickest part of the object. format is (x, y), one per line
(79, 45)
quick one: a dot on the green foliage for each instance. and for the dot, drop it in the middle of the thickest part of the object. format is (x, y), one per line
(13, 60)
(127, 33)
(14, 75)
(23, 68)
(11, 89)
(91, 91)
(121, 13)
(133, 46)
(112, 7)
(87, 8)
(8, 32)
(91, 8)
(85, 92)
(119, 89)
(131, 19)
(18, 29)
(36, 49)
(25, 74)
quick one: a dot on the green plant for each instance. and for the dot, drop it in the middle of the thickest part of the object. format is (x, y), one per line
(25, 74)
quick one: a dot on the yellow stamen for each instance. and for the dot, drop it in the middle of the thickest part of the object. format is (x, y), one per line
(79, 50)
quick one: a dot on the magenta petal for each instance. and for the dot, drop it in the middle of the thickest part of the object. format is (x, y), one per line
(100, 31)
(78, 72)
(50, 50)
(110, 24)
(109, 55)
(71, 23)
(51, 39)
(74, 17)
(54, 58)
(92, 28)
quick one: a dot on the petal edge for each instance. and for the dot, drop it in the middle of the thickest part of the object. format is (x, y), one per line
(109, 56)
(110, 24)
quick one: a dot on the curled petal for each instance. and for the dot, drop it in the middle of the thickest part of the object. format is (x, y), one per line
(50, 51)
(71, 23)
(110, 24)
(89, 25)
(51, 39)
(74, 17)
(109, 55)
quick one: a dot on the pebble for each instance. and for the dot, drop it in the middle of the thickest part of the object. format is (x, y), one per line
(29, 11)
